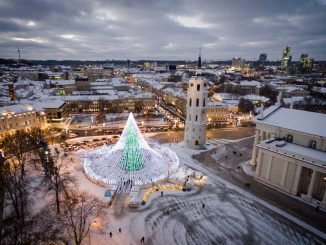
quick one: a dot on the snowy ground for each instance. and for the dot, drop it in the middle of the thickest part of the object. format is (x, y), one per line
(231, 215)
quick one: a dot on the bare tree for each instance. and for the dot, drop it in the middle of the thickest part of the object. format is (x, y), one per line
(17, 192)
(18, 225)
(2, 193)
(17, 146)
(79, 211)
(59, 180)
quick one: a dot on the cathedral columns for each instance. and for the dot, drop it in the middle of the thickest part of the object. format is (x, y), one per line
(323, 202)
(295, 186)
(268, 168)
(254, 152)
(258, 162)
(285, 170)
(308, 197)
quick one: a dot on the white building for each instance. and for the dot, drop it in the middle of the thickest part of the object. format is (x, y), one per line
(290, 152)
(195, 129)
(20, 117)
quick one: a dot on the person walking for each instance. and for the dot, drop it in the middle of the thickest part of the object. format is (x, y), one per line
(142, 240)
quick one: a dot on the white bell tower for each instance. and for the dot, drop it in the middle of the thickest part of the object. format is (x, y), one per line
(195, 125)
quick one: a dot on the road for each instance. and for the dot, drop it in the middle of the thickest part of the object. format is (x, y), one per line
(220, 133)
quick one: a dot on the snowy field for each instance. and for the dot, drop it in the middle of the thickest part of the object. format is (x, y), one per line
(230, 216)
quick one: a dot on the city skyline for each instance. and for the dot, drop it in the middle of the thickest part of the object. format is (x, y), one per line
(161, 30)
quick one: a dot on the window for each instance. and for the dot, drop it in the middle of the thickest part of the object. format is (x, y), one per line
(189, 117)
(197, 102)
(312, 144)
(204, 103)
(190, 101)
(204, 84)
(196, 142)
(191, 84)
(196, 118)
(198, 87)
(289, 138)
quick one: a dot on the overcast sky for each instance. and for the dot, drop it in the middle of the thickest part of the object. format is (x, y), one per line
(161, 29)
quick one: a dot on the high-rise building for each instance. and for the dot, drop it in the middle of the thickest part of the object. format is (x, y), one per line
(306, 64)
(238, 63)
(195, 130)
(262, 57)
(128, 65)
(286, 58)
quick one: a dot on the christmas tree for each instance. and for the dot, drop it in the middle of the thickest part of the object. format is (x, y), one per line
(132, 159)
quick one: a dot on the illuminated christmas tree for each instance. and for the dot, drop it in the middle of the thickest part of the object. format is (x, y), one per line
(132, 159)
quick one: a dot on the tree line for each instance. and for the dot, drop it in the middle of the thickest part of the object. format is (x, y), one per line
(29, 172)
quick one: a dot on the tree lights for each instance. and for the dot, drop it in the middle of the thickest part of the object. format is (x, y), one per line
(131, 161)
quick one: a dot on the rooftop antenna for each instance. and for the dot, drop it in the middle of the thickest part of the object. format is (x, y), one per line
(199, 59)
(18, 54)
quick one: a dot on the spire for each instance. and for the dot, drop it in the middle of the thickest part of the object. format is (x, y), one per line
(199, 59)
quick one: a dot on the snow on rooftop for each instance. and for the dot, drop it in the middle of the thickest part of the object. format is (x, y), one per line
(302, 121)
(250, 83)
(49, 104)
(319, 89)
(175, 91)
(225, 96)
(255, 97)
(19, 108)
(298, 151)
(61, 82)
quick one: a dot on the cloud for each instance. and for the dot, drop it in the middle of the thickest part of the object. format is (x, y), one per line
(170, 29)
(33, 39)
(191, 21)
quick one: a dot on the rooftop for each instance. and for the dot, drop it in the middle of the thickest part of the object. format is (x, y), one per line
(20, 108)
(302, 153)
(302, 121)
